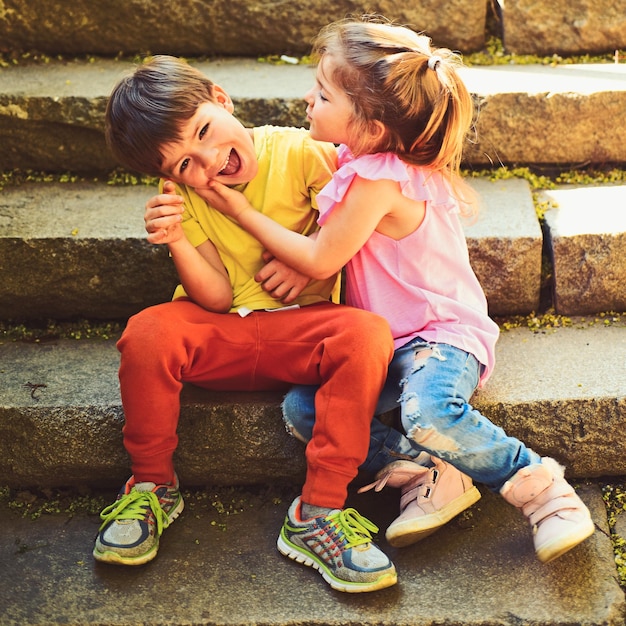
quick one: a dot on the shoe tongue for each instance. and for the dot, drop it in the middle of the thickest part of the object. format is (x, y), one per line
(144, 486)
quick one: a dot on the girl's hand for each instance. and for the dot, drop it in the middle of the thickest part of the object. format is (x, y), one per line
(163, 216)
(226, 200)
(279, 280)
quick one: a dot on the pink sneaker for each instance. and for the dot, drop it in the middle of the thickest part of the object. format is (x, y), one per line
(430, 497)
(559, 518)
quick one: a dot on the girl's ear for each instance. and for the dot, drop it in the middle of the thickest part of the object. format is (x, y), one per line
(223, 99)
(378, 132)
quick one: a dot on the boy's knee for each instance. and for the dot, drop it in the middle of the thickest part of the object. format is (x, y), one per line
(372, 332)
(145, 330)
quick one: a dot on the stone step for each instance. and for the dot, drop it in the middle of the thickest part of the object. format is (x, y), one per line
(218, 565)
(85, 247)
(52, 114)
(562, 391)
(251, 28)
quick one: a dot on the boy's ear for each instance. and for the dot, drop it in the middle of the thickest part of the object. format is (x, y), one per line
(223, 99)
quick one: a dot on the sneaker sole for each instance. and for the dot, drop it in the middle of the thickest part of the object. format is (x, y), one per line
(108, 556)
(288, 549)
(406, 532)
(561, 545)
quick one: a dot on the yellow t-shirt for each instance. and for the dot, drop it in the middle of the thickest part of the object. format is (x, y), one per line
(293, 168)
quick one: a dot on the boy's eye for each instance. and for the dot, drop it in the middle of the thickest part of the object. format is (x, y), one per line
(203, 131)
(183, 165)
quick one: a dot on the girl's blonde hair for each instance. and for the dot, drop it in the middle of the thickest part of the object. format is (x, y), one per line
(394, 76)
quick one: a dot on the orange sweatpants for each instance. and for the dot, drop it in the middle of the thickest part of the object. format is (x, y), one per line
(344, 350)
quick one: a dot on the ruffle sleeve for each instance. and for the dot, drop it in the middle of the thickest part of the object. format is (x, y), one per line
(416, 183)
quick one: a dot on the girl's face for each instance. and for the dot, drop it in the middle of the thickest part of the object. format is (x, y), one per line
(329, 109)
(214, 146)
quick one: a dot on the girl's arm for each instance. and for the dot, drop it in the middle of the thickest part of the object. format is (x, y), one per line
(344, 233)
(201, 271)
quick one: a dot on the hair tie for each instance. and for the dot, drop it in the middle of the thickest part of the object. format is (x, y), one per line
(434, 61)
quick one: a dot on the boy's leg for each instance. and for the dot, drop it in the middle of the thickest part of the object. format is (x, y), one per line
(347, 356)
(179, 341)
(345, 352)
(161, 347)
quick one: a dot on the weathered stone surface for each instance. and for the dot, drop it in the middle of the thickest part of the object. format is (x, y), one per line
(86, 251)
(505, 246)
(587, 227)
(562, 392)
(546, 115)
(563, 27)
(220, 564)
(69, 430)
(208, 28)
(85, 247)
(52, 115)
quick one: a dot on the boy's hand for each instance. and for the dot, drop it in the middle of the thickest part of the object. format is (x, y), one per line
(163, 216)
(226, 200)
(279, 280)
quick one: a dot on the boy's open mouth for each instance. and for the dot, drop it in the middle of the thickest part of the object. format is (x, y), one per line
(232, 165)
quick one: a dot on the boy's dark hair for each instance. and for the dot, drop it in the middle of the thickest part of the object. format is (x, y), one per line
(148, 108)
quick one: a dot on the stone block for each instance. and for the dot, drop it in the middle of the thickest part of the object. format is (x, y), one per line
(563, 27)
(587, 228)
(242, 28)
(52, 115)
(505, 245)
(561, 392)
(78, 250)
(544, 115)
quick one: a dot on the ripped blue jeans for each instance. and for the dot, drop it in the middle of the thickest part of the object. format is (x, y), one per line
(432, 384)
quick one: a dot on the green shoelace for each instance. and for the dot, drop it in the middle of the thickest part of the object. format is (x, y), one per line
(134, 506)
(355, 528)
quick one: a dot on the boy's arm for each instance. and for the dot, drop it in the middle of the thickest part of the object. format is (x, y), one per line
(201, 271)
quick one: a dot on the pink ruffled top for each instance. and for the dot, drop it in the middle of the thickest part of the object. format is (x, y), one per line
(422, 284)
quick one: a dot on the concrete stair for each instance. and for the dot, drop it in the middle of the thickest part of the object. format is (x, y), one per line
(73, 250)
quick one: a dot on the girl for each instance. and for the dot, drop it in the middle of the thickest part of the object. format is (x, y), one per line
(391, 215)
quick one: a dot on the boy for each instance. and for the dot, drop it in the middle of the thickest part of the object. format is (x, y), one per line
(225, 330)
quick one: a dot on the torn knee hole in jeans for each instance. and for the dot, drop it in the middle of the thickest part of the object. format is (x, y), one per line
(431, 439)
(422, 354)
(426, 436)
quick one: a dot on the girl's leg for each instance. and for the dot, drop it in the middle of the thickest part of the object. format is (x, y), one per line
(386, 443)
(436, 414)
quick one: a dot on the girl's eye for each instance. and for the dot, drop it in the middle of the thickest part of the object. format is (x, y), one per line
(203, 131)
(183, 165)
(322, 97)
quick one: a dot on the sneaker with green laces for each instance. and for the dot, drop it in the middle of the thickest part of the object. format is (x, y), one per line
(133, 524)
(338, 545)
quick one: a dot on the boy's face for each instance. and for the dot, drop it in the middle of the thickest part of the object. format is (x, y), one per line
(215, 146)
